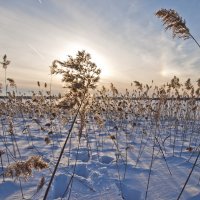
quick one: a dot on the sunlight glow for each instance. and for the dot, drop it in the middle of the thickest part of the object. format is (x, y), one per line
(97, 58)
(169, 72)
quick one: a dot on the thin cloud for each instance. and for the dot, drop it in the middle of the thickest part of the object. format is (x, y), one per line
(36, 51)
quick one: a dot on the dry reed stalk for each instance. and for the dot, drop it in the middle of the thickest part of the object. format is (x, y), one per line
(25, 168)
(172, 20)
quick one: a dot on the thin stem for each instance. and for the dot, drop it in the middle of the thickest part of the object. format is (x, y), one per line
(62, 151)
(179, 196)
(150, 168)
(5, 84)
(194, 40)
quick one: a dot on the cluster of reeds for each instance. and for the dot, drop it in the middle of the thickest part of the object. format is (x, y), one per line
(144, 118)
(158, 120)
(25, 168)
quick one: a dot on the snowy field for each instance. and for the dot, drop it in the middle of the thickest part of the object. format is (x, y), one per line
(122, 152)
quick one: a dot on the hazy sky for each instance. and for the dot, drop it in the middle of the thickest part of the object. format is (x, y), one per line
(124, 38)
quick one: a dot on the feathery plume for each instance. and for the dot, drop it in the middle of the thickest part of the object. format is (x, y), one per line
(5, 62)
(24, 168)
(11, 82)
(172, 20)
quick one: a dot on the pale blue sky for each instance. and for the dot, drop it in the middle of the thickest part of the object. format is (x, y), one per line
(124, 38)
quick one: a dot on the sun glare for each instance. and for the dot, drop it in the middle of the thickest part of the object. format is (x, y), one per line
(97, 57)
(169, 72)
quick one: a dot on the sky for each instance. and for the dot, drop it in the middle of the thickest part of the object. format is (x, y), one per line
(124, 37)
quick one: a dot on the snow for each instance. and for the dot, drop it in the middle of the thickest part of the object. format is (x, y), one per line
(99, 163)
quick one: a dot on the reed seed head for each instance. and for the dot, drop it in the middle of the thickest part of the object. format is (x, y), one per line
(172, 20)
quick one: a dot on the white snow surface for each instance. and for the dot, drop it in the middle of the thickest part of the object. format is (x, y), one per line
(104, 168)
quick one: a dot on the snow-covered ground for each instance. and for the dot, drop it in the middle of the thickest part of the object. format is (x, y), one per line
(110, 163)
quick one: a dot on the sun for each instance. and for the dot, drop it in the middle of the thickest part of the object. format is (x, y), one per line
(169, 72)
(101, 62)
(96, 57)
